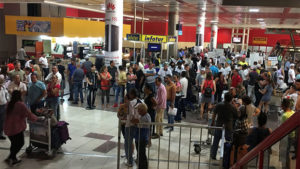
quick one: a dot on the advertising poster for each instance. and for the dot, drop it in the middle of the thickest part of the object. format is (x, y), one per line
(33, 26)
(113, 31)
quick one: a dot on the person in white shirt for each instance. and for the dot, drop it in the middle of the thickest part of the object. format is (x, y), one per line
(44, 62)
(27, 59)
(16, 84)
(179, 68)
(141, 64)
(227, 70)
(221, 69)
(54, 72)
(164, 71)
(292, 75)
(184, 87)
(21, 54)
(222, 60)
(4, 97)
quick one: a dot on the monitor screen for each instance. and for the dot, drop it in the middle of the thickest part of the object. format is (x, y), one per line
(237, 40)
(153, 47)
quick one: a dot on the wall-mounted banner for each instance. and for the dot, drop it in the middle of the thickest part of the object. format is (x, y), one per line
(154, 38)
(172, 39)
(260, 40)
(33, 26)
(133, 37)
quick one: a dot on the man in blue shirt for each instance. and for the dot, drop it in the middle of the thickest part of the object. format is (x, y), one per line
(36, 93)
(71, 69)
(77, 79)
(214, 69)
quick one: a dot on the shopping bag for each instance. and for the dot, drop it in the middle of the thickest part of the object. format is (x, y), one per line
(173, 111)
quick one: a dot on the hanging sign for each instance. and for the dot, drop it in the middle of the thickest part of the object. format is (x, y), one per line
(172, 38)
(154, 38)
(260, 40)
(133, 37)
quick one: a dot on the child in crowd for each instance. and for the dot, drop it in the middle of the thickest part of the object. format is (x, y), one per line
(142, 138)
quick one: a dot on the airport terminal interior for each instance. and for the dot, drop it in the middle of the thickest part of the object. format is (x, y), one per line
(158, 84)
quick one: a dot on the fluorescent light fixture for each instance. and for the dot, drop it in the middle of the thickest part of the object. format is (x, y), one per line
(144, 0)
(253, 10)
(260, 19)
(214, 21)
(88, 9)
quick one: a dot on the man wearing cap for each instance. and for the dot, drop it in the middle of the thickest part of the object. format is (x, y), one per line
(4, 97)
(292, 75)
(164, 71)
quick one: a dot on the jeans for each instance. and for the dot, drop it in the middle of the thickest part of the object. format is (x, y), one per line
(71, 89)
(46, 72)
(2, 118)
(105, 93)
(217, 138)
(129, 135)
(218, 95)
(119, 89)
(53, 103)
(142, 157)
(179, 109)
(170, 117)
(91, 97)
(17, 142)
(152, 127)
(251, 93)
(77, 86)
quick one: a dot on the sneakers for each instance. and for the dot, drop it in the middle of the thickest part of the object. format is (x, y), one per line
(115, 105)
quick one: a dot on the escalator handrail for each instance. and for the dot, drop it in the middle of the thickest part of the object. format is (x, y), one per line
(289, 125)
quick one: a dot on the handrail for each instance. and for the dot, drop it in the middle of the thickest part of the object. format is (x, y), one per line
(292, 123)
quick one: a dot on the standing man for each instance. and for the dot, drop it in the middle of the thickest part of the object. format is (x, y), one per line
(150, 76)
(113, 71)
(16, 84)
(36, 93)
(292, 75)
(17, 71)
(77, 79)
(21, 54)
(27, 59)
(286, 70)
(4, 96)
(171, 95)
(226, 113)
(161, 99)
(184, 88)
(54, 72)
(44, 62)
(139, 82)
(236, 79)
(164, 71)
(61, 70)
(71, 69)
(86, 66)
(253, 77)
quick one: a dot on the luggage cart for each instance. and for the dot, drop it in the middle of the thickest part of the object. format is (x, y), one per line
(40, 137)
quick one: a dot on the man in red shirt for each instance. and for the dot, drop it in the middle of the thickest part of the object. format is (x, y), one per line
(236, 79)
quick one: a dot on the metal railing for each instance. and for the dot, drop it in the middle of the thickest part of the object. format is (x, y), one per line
(174, 150)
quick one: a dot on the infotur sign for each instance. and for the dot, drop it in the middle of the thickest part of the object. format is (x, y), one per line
(154, 38)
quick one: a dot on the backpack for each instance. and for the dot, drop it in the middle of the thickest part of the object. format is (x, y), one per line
(63, 131)
(208, 89)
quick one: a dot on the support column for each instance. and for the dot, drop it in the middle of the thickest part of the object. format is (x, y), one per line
(173, 20)
(113, 31)
(200, 28)
(214, 36)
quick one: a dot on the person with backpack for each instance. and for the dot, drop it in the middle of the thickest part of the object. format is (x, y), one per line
(208, 91)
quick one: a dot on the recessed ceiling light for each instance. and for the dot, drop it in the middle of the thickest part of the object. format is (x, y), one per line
(144, 0)
(254, 10)
(260, 19)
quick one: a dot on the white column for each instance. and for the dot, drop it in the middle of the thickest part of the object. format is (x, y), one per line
(214, 36)
(113, 31)
(200, 28)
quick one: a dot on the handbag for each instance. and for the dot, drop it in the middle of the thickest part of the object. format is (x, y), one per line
(172, 112)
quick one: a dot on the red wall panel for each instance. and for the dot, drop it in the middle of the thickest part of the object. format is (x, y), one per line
(151, 28)
(72, 12)
(1, 5)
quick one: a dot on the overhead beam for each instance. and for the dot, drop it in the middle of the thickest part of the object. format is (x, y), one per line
(263, 3)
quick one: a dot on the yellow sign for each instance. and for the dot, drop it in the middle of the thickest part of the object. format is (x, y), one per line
(53, 40)
(260, 40)
(154, 38)
(172, 39)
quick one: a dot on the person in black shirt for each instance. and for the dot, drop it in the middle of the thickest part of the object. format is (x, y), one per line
(253, 76)
(61, 70)
(113, 70)
(204, 62)
(139, 82)
(92, 78)
(226, 113)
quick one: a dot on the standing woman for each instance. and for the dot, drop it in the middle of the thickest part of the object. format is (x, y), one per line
(53, 95)
(151, 104)
(91, 78)
(266, 92)
(105, 78)
(208, 91)
(15, 125)
(131, 77)
(220, 85)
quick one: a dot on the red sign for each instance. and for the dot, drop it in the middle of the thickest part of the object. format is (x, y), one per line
(111, 6)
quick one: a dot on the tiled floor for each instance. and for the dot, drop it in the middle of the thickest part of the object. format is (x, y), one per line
(94, 145)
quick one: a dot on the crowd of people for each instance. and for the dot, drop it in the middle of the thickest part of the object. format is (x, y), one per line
(234, 92)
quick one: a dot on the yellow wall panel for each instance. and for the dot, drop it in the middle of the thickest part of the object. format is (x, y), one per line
(83, 28)
(11, 26)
